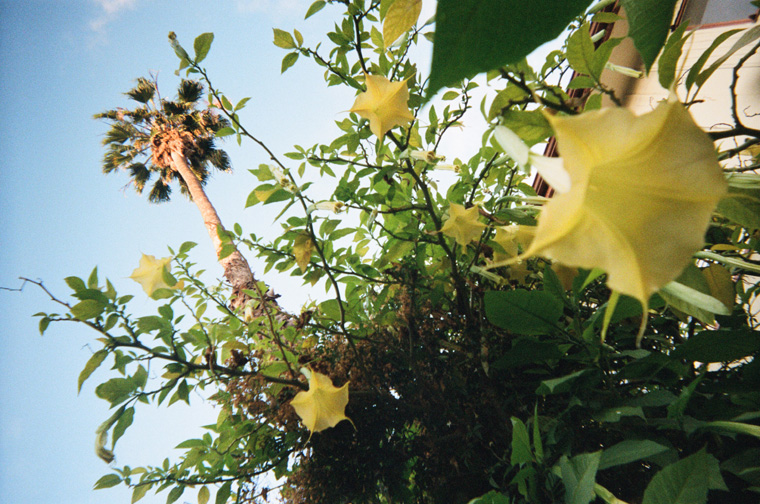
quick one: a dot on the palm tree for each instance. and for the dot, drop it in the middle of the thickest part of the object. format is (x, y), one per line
(174, 140)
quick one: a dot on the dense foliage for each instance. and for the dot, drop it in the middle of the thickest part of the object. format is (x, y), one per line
(476, 373)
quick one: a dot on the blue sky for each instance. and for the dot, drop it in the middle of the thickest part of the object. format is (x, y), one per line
(61, 63)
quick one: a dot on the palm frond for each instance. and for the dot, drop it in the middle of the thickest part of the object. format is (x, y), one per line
(143, 92)
(140, 175)
(160, 193)
(189, 91)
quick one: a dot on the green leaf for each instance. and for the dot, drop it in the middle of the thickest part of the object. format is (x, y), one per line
(522, 311)
(76, 283)
(202, 44)
(223, 493)
(226, 131)
(288, 61)
(44, 323)
(492, 497)
(734, 427)
(87, 309)
(559, 385)
(175, 494)
(125, 420)
(186, 247)
(580, 51)
(115, 390)
(139, 492)
(92, 282)
(283, 39)
(700, 63)
(474, 36)
(649, 23)
(527, 351)
(400, 17)
(684, 482)
(747, 37)
(314, 8)
(92, 364)
(107, 481)
(203, 495)
(741, 206)
(666, 66)
(723, 345)
(579, 477)
(629, 451)
(521, 452)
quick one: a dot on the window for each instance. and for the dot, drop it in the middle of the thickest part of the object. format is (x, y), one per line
(704, 12)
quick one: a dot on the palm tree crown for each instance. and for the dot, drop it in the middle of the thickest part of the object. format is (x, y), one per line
(141, 140)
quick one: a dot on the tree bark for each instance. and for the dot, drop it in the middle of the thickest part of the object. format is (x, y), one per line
(236, 269)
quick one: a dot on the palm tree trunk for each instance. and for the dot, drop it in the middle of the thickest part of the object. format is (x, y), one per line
(236, 269)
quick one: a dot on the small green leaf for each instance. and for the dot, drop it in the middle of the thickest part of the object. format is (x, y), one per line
(44, 323)
(226, 131)
(671, 53)
(314, 8)
(203, 495)
(649, 24)
(92, 364)
(700, 63)
(288, 61)
(283, 39)
(87, 309)
(76, 283)
(140, 491)
(521, 452)
(125, 420)
(202, 45)
(92, 282)
(107, 481)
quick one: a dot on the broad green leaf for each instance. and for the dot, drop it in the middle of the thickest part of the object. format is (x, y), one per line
(616, 414)
(649, 23)
(741, 206)
(527, 351)
(92, 282)
(401, 16)
(474, 36)
(690, 300)
(107, 481)
(202, 44)
(522, 311)
(115, 390)
(723, 345)
(283, 39)
(92, 364)
(629, 451)
(521, 452)
(579, 477)
(684, 482)
(87, 309)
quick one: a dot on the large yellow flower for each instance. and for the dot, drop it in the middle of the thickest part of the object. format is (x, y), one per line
(641, 193)
(384, 104)
(323, 405)
(152, 274)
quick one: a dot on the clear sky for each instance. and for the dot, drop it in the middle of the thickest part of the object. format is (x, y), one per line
(60, 63)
